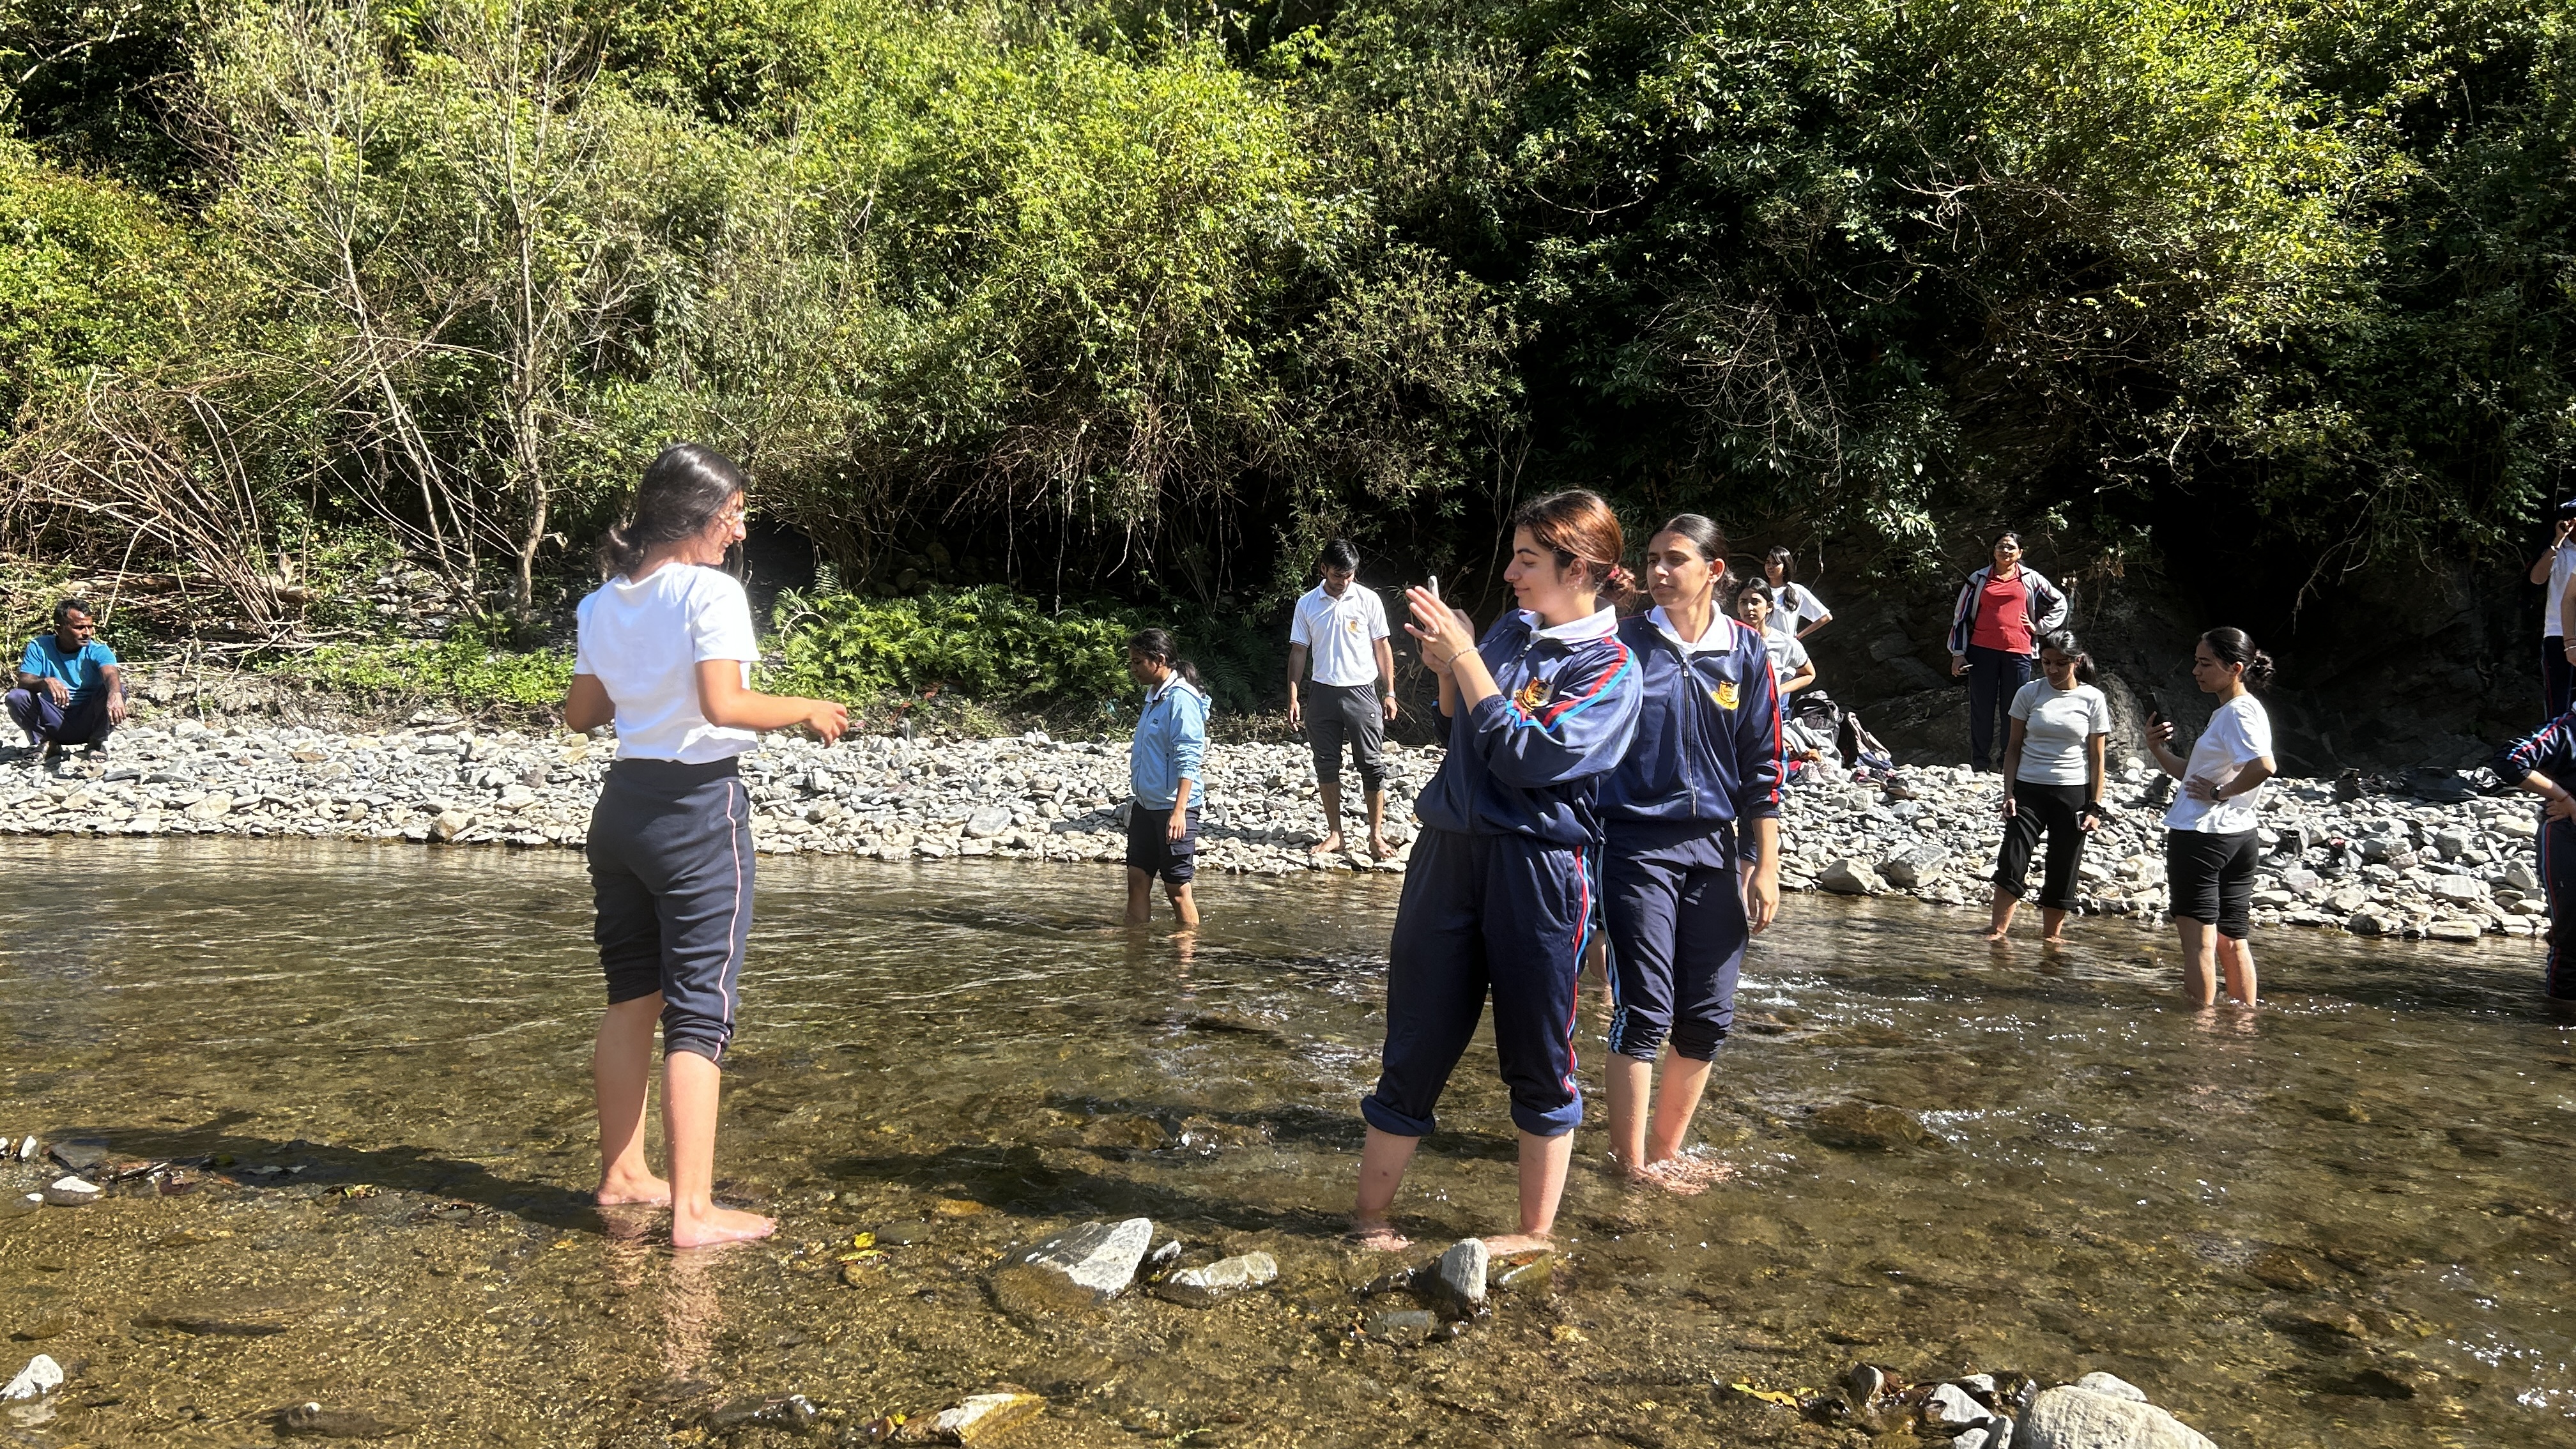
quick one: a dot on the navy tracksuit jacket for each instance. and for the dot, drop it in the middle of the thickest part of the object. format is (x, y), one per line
(1498, 893)
(1707, 755)
(2551, 750)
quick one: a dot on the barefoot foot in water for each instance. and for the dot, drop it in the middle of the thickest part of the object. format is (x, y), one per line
(717, 1226)
(1376, 1237)
(1504, 1243)
(641, 1191)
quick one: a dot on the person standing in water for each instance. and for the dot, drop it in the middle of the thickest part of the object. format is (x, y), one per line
(1341, 628)
(2002, 610)
(665, 653)
(1498, 895)
(1681, 893)
(2210, 849)
(2544, 762)
(1795, 610)
(1163, 774)
(2061, 726)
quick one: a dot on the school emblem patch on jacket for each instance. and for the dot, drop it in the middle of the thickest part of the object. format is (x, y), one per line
(1532, 698)
(1726, 695)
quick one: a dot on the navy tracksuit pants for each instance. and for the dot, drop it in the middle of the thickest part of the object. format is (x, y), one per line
(1677, 934)
(670, 875)
(1504, 913)
(2558, 878)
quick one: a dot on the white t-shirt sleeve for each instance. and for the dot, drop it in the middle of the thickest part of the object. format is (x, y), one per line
(720, 620)
(2025, 699)
(2250, 736)
(1377, 616)
(582, 663)
(1810, 607)
(2100, 711)
(1298, 630)
(1796, 656)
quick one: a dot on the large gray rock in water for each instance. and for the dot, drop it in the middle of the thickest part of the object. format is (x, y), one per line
(1075, 1269)
(1204, 1287)
(1849, 877)
(2068, 1417)
(1457, 1283)
(1909, 869)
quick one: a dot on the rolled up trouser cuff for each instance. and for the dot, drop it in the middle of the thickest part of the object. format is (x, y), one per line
(1340, 713)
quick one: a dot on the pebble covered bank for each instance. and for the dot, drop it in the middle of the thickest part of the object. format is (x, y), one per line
(2374, 864)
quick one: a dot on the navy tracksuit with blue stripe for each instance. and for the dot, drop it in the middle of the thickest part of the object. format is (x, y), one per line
(2551, 750)
(1707, 755)
(1498, 893)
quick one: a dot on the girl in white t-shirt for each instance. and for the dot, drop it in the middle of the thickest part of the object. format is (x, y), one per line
(665, 653)
(1795, 609)
(2053, 784)
(2209, 833)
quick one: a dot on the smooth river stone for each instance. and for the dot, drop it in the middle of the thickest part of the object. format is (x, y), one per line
(2067, 1417)
(1205, 1287)
(1075, 1269)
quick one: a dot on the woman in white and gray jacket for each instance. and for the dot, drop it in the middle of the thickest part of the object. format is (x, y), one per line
(1994, 636)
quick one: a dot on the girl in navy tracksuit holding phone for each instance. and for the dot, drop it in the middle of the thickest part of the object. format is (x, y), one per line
(1498, 894)
(2544, 762)
(1681, 890)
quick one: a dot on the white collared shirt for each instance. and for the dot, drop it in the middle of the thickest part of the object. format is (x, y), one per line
(1340, 634)
(1716, 637)
(1599, 624)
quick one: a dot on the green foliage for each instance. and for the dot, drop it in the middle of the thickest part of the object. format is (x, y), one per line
(475, 667)
(92, 274)
(1000, 648)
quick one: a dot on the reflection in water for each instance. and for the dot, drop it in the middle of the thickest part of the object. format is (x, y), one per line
(2342, 1220)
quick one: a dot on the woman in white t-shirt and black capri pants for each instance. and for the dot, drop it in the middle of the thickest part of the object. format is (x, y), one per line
(2053, 770)
(2209, 833)
(665, 652)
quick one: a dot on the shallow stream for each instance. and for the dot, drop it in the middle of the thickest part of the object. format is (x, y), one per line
(2343, 1222)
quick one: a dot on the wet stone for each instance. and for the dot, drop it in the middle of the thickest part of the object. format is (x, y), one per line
(983, 1417)
(41, 1376)
(2071, 1418)
(1403, 1326)
(78, 1156)
(1218, 1281)
(793, 1412)
(1523, 1273)
(1456, 1286)
(905, 1234)
(215, 1321)
(1867, 1127)
(41, 1326)
(2287, 1269)
(313, 1421)
(71, 1192)
(1076, 1269)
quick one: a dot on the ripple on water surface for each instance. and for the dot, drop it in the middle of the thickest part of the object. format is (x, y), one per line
(2342, 1223)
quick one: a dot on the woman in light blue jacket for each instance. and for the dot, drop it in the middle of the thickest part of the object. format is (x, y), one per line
(1163, 773)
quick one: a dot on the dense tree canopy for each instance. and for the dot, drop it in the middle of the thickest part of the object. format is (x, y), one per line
(1141, 300)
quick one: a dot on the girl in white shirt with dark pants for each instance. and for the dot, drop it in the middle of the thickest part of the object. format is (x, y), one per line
(666, 653)
(2210, 848)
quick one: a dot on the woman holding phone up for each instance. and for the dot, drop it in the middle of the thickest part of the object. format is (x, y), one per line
(1498, 896)
(2209, 833)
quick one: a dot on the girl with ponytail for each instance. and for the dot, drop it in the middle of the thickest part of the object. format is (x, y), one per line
(2209, 833)
(1682, 890)
(665, 654)
(1498, 893)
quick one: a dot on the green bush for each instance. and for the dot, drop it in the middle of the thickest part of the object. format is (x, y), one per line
(998, 648)
(473, 668)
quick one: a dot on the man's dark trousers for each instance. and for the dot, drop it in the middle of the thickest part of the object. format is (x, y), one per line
(82, 722)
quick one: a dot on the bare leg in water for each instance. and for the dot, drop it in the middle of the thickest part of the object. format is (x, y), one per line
(1650, 1149)
(690, 1086)
(1542, 1181)
(621, 1074)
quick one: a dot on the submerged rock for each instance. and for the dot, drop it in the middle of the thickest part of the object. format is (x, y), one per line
(72, 1192)
(1216, 1282)
(312, 1421)
(1456, 1285)
(982, 1416)
(1075, 1269)
(1400, 1325)
(1522, 1272)
(1867, 1127)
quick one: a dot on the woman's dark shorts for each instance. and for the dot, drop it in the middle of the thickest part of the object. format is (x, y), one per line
(2211, 878)
(1151, 850)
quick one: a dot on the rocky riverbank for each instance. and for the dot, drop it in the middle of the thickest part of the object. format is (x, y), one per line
(2371, 864)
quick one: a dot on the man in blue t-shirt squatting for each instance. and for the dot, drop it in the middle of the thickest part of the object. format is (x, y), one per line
(70, 691)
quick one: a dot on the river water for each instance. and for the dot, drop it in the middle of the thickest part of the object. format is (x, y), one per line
(2344, 1222)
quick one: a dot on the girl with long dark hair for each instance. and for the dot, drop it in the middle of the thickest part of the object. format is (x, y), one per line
(665, 653)
(1498, 894)
(1682, 892)
(2210, 851)
(1795, 609)
(2053, 779)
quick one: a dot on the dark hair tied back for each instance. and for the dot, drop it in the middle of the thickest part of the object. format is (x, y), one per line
(2233, 647)
(682, 492)
(1579, 528)
(1159, 646)
(2063, 641)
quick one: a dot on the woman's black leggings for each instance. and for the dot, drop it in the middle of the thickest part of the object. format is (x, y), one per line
(2057, 811)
